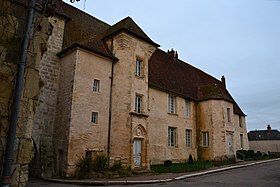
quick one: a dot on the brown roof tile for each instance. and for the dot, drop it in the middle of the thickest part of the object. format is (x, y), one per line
(169, 73)
(129, 26)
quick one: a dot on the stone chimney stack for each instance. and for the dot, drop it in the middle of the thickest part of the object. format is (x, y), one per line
(268, 129)
(173, 53)
(223, 79)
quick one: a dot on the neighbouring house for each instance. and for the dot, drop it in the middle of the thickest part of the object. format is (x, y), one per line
(265, 141)
(110, 89)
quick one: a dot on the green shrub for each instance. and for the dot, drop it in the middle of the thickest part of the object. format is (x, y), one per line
(100, 163)
(117, 166)
(84, 166)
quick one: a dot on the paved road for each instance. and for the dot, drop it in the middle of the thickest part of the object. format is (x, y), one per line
(263, 175)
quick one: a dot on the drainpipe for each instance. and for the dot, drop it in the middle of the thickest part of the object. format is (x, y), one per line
(110, 107)
(8, 159)
(197, 132)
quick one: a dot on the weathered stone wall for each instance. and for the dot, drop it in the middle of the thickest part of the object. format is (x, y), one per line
(49, 68)
(85, 135)
(158, 124)
(13, 18)
(126, 85)
(63, 112)
(213, 118)
(265, 146)
(241, 130)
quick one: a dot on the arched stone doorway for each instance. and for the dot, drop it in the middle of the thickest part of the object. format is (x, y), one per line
(139, 148)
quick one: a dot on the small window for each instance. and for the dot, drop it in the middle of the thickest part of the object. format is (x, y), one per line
(95, 86)
(241, 141)
(139, 67)
(240, 122)
(171, 136)
(138, 104)
(228, 115)
(188, 104)
(205, 139)
(171, 104)
(188, 138)
(94, 117)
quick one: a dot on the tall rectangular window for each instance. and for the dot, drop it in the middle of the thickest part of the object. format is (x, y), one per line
(171, 136)
(171, 104)
(228, 115)
(241, 141)
(188, 107)
(205, 139)
(139, 68)
(95, 86)
(94, 117)
(138, 104)
(188, 138)
(240, 121)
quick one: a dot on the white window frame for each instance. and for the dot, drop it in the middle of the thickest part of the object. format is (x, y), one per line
(171, 104)
(139, 68)
(138, 103)
(94, 117)
(95, 85)
(205, 139)
(188, 107)
(188, 138)
(172, 136)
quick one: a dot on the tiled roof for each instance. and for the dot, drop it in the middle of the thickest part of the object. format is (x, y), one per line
(259, 135)
(169, 73)
(165, 71)
(81, 26)
(129, 26)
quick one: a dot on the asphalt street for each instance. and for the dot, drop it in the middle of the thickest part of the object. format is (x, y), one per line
(261, 175)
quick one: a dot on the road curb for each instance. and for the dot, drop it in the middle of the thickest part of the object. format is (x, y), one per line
(126, 182)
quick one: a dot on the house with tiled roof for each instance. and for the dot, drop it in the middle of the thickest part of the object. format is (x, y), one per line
(265, 141)
(113, 91)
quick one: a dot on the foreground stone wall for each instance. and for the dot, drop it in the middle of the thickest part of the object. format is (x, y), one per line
(11, 35)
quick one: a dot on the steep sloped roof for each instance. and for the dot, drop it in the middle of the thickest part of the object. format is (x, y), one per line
(259, 135)
(129, 26)
(88, 32)
(169, 73)
(81, 26)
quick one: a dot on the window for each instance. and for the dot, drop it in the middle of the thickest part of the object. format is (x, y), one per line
(138, 103)
(188, 104)
(188, 138)
(241, 141)
(240, 121)
(228, 115)
(171, 136)
(94, 117)
(205, 139)
(95, 86)
(138, 68)
(171, 104)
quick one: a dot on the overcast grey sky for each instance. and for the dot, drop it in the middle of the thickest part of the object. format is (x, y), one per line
(236, 38)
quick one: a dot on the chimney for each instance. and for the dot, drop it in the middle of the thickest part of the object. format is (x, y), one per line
(173, 53)
(268, 129)
(223, 79)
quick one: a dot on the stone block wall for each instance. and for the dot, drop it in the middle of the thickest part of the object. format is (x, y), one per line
(158, 123)
(49, 68)
(13, 18)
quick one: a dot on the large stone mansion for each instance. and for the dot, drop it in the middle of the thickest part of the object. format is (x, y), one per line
(110, 89)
